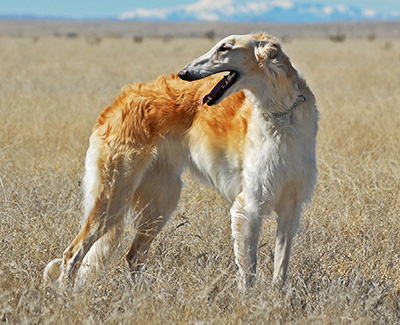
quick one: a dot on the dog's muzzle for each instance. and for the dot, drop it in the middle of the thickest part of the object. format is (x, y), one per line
(187, 75)
(184, 74)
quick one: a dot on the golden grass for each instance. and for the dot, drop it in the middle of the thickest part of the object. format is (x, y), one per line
(345, 262)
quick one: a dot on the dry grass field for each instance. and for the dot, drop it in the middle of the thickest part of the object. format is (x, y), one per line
(345, 265)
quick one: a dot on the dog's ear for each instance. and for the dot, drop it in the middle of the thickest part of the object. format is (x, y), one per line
(266, 50)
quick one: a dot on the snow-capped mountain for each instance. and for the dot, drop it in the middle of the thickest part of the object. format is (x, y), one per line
(278, 11)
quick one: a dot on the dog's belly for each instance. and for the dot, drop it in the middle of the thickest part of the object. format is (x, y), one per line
(217, 169)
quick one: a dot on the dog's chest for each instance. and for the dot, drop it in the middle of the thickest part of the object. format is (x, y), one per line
(272, 158)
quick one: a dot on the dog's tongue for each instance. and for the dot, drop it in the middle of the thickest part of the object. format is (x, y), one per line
(219, 89)
(214, 92)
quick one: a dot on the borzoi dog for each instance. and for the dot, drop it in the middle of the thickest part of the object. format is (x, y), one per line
(252, 137)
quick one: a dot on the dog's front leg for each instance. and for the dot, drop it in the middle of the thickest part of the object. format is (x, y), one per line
(246, 226)
(288, 211)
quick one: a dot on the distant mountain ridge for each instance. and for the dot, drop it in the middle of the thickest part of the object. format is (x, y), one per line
(279, 11)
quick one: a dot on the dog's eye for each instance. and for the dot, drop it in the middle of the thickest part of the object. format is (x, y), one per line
(273, 54)
(225, 47)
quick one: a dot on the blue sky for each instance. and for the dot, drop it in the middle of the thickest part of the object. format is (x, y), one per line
(101, 9)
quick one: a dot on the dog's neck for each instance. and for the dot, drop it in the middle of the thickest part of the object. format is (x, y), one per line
(276, 105)
(300, 99)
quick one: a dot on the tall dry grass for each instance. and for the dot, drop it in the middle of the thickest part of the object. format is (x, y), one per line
(345, 263)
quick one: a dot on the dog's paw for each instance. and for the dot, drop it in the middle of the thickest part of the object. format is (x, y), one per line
(52, 271)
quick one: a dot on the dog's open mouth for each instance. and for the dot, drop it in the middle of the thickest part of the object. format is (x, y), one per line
(223, 85)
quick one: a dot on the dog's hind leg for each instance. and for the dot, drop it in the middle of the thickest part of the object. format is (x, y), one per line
(289, 212)
(246, 227)
(121, 173)
(99, 254)
(156, 198)
(103, 248)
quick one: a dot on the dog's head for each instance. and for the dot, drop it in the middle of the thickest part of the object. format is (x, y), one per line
(249, 59)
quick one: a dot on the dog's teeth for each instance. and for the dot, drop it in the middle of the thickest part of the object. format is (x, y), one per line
(204, 100)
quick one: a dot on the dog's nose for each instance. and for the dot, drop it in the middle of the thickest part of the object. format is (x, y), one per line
(183, 74)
